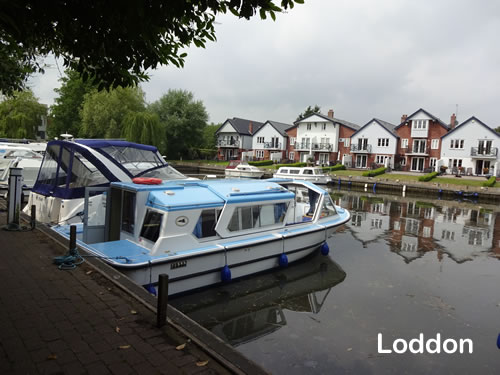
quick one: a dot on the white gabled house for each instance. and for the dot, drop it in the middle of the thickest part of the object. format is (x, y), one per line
(471, 147)
(269, 142)
(375, 143)
(234, 137)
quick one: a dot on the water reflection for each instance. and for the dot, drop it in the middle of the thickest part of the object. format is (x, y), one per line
(248, 309)
(415, 226)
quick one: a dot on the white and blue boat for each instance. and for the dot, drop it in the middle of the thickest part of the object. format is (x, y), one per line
(202, 233)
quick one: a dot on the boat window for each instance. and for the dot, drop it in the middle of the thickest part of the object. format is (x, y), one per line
(133, 159)
(63, 167)
(328, 208)
(165, 172)
(84, 173)
(48, 170)
(284, 171)
(308, 171)
(151, 227)
(128, 212)
(257, 216)
(205, 227)
(294, 171)
(318, 171)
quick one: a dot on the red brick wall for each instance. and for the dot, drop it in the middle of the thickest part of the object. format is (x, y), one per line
(345, 132)
(292, 133)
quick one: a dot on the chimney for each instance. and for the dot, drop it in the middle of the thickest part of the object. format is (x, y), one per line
(250, 127)
(330, 113)
(403, 118)
(453, 121)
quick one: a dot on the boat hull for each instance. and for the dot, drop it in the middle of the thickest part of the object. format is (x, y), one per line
(243, 174)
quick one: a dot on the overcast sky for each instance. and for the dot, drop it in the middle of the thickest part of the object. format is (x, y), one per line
(361, 58)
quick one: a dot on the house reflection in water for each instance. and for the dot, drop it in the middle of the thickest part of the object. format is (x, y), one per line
(415, 226)
(247, 309)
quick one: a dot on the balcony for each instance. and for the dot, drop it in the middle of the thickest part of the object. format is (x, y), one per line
(417, 150)
(319, 147)
(231, 143)
(366, 149)
(484, 152)
(272, 146)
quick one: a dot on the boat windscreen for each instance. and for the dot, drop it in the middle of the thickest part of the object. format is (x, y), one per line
(84, 173)
(134, 160)
(165, 172)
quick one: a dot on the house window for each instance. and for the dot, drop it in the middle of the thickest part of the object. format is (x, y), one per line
(323, 126)
(404, 143)
(457, 143)
(347, 142)
(291, 155)
(432, 163)
(454, 163)
(292, 141)
(259, 154)
(379, 159)
(383, 142)
(419, 124)
(435, 144)
(309, 126)
(260, 139)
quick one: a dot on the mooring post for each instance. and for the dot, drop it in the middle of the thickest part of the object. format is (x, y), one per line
(161, 313)
(33, 216)
(72, 238)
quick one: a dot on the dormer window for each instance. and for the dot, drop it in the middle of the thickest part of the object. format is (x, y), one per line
(309, 126)
(420, 124)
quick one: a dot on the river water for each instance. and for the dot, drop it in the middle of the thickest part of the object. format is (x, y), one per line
(400, 267)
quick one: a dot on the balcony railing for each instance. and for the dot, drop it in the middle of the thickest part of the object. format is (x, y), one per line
(326, 147)
(361, 148)
(484, 152)
(272, 145)
(418, 150)
(222, 143)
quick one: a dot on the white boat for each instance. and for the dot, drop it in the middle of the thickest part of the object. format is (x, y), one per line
(312, 174)
(19, 157)
(69, 167)
(202, 233)
(242, 169)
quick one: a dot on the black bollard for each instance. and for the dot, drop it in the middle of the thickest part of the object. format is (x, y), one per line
(72, 239)
(161, 312)
(33, 217)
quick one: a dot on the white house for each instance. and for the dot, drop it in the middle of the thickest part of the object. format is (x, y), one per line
(270, 141)
(318, 137)
(471, 147)
(235, 137)
(375, 142)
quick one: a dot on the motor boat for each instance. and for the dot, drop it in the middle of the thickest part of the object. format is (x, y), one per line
(69, 167)
(238, 168)
(19, 157)
(312, 174)
(202, 233)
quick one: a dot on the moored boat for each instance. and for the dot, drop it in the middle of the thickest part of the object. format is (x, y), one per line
(202, 233)
(19, 157)
(312, 174)
(237, 168)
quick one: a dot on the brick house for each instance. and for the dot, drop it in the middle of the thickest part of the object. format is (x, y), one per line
(419, 146)
(234, 137)
(270, 141)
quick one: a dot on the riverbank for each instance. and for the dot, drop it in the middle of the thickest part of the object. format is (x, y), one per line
(447, 186)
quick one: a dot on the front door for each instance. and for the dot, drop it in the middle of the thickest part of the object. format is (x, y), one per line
(417, 164)
(361, 161)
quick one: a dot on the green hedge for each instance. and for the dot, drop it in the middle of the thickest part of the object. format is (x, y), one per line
(337, 167)
(375, 172)
(298, 165)
(491, 182)
(428, 176)
(260, 163)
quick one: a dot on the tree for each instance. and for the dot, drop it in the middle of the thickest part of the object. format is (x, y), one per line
(183, 120)
(143, 127)
(497, 129)
(21, 115)
(112, 42)
(66, 111)
(209, 140)
(309, 111)
(103, 113)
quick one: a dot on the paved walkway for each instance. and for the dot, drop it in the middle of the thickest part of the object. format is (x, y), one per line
(74, 322)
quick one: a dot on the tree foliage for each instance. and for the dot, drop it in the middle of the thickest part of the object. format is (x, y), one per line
(21, 115)
(143, 127)
(183, 120)
(209, 138)
(112, 42)
(497, 129)
(66, 111)
(309, 111)
(103, 112)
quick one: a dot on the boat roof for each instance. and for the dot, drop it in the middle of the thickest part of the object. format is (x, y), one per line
(180, 195)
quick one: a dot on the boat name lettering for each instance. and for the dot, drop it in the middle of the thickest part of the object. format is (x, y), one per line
(182, 263)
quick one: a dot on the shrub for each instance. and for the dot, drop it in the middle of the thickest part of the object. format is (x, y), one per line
(260, 163)
(337, 167)
(491, 182)
(428, 176)
(375, 172)
(297, 165)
